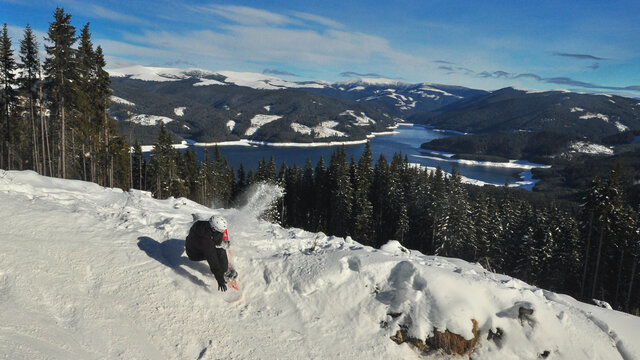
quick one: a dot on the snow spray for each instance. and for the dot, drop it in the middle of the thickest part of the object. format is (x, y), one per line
(260, 198)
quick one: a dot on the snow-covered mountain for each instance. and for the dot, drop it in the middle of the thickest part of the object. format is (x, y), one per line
(394, 97)
(207, 78)
(397, 97)
(91, 273)
(209, 107)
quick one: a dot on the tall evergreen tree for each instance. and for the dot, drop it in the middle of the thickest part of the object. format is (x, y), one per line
(162, 165)
(7, 81)
(30, 73)
(102, 97)
(362, 222)
(138, 166)
(340, 193)
(59, 67)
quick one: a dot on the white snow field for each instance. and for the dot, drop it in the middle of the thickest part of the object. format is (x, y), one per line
(95, 273)
(149, 120)
(258, 120)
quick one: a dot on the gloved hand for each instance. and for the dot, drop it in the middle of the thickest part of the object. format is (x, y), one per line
(230, 275)
(222, 287)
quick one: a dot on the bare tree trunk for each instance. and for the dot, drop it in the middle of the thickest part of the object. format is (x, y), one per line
(130, 168)
(50, 160)
(42, 126)
(633, 272)
(7, 139)
(93, 163)
(109, 156)
(586, 256)
(84, 164)
(36, 162)
(63, 143)
(140, 173)
(619, 281)
(595, 274)
(73, 149)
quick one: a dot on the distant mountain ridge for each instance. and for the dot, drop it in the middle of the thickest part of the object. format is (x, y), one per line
(591, 116)
(209, 107)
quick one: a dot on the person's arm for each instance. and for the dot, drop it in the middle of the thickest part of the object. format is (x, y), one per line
(218, 263)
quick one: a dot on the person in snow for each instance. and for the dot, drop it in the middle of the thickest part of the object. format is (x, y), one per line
(208, 240)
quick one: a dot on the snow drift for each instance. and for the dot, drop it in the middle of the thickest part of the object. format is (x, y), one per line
(92, 273)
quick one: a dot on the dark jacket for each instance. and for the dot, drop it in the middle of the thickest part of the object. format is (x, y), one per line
(203, 243)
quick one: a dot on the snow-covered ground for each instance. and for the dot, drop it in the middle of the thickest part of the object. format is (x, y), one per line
(586, 147)
(621, 127)
(179, 111)
(511, 164)
(589, 115)
(261, 81)
(208, 82)
(258, 120)
(149, 120)
(96, 273)
(120, 100)
(360, 120)
(323, 130)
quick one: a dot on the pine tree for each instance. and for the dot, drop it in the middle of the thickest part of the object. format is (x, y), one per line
(59, 68)
(565, 263)
(163, 166)
(379, 198)
(362, 207)
(102, 97)
(240, 184)
(307, 196)
(85, 114)
(139, 165)
(30, 70)
(340, 193)
(589, 213)
(7, 81)
(322, 197)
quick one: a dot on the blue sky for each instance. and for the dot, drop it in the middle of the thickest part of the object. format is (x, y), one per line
(580, 45)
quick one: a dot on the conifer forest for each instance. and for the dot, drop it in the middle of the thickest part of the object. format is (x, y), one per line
(55, 121)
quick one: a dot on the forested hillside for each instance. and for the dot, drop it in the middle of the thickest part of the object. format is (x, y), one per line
(509, 109)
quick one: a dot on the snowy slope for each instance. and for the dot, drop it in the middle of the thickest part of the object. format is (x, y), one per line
(91, 273)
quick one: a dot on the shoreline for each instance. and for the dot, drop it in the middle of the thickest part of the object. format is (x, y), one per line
(512, 164)
(254, 143)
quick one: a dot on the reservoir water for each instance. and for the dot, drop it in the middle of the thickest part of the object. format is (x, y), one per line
(407, 140)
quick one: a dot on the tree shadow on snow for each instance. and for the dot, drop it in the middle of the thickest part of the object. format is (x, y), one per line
(169, 253)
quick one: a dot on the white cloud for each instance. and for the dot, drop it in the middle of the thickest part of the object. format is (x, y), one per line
(245, 15)
(274, 44)
(318, 19)
(93, 10)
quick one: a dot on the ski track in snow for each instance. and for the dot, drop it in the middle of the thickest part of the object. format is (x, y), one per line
(92, 273)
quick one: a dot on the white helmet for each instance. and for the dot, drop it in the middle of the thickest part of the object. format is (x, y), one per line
(218, 223)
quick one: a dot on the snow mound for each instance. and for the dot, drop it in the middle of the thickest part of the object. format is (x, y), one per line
(102, 274)
(179, 111)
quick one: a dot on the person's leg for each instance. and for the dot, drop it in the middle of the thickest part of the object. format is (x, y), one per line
(194, 256)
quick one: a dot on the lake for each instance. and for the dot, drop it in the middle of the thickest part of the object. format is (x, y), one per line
(407, 140)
